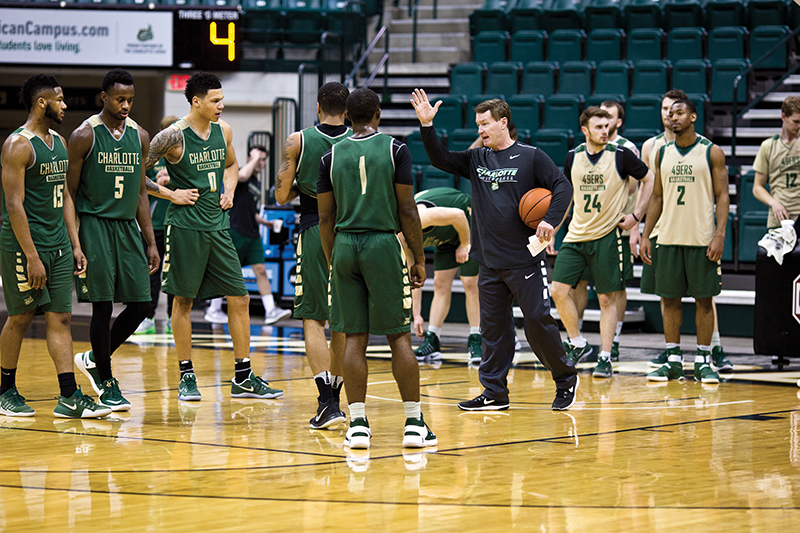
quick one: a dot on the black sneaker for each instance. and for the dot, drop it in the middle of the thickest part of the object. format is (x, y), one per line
(482, 403)
(565, 397)
(328, 414)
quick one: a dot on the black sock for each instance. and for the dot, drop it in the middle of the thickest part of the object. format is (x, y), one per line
(99, 335)
(242, 369)
(325, 390)
(66, 382)
(186, 367)
(8, 377)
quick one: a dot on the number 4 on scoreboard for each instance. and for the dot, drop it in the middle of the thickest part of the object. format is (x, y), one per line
(229, 41)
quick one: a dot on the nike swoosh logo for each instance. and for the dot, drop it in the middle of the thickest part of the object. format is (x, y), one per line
(529, 275)
(53, 158)
(68, 406)
(571, 389)
(246, 388)
(513, 156)
(319, 416)
(120, 148)
(487, 401)
(206, 147)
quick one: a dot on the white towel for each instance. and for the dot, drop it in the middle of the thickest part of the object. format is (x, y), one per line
(779, 241)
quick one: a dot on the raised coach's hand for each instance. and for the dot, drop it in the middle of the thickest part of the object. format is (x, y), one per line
(425, 111)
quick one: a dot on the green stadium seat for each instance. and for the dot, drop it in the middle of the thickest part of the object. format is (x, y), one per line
(638, 137)
(562, 15)
(650, 77)
(433, 177)
(575, 77)
(525, 15)
(526, 111)
(99, 2)
(467, 78)
(725, 13)
(524, 135)
(682, 14)
(566, 45)
(346, 21)
(451, 112)
(562, 111)
(539, 77)
(489, 46)
(602, 14)
(645, 44)
(643, 112)
(212, 3)
(417, 150)
(528, 45)
(727, 43)
(746, 202)
(640, 14)
(597, 99)
(304, 21)
(554, 142)
(604, 45)
(752, 227)
(263, 22)
(691, 75)
(461, 139)
(491, 17)
(723, 72)
(503, 77)
(762, 39)
(701, 102)
(613, 77)
(686, 43)
(476, 99)
(767, 12)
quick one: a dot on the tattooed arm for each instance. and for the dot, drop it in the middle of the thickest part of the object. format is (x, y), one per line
(285, 188)
(168, 142)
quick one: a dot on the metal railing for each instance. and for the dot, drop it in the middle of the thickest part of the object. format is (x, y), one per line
(412, 12)
(383, 63)
(262, 138)
(285, 118)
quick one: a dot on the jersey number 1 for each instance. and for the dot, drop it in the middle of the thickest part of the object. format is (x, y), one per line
(212, 180)
(362, 171)
(58, 196)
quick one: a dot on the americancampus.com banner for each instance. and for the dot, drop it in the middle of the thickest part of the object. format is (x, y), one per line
(85, 37)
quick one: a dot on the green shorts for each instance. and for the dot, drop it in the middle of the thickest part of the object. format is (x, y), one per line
(444, 258)
(686, 271)
(369, 288)
(55, 297)
(250, 251)
(201, 264)
(116, 267)
(648, 281)
(311, 285)
(603, 256)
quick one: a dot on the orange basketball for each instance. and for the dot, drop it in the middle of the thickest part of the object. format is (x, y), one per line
(533, 206)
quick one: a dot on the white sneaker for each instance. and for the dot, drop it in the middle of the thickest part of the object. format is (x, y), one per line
(517, 344)
(275, 314)
(216, 317)
(358, 434)
(147, 327)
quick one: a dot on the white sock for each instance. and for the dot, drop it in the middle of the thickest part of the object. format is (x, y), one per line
(269, 302)
(671, 345)
(436, 331)
(619, 330)
(578, 342)
(336, 381)
(715, 339)
(412, 409)
(703, 348)
(325, 375)
(473, 331)
(215, 305)
(358, 410)
(604, 355)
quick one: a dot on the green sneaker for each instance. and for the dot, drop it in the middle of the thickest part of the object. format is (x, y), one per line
(13, 404)
(168, 327)
(85, 363)
(704, 374)
(417, 434)
(358, 434)
(79, 406)
(615, 352)
(667, 371)
(576, 355)
(430, 349)
(603, 369)
(187, 388)
(659, 361)
(474, 348)
(147, 327)
(112, 397)
(719, 362)
(254, 387)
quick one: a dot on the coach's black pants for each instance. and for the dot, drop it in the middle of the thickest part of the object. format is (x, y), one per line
(497, 290)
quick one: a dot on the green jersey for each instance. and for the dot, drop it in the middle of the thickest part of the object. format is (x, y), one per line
(201, 167)
(111, 175)
(363, 176)
(314, 145)
(158, 206)
(443, 197)
(44, 196)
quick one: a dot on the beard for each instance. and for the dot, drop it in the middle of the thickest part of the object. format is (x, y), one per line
(53, 115)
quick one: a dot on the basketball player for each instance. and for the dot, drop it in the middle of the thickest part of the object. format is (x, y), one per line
(244, 233)
(106, 182)
(365, 193)
(690, 177)
(599, 171)
(298, 176)
(200, 259)
(444, 213)
(501, 173)
(36, 256)
(650, 150)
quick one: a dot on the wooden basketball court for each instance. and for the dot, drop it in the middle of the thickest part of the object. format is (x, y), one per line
(627, 457)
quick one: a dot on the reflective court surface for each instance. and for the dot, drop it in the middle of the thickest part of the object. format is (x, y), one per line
(627, 457)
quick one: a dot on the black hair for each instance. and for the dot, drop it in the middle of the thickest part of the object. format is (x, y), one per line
(362, 104)
(261, 148)
(688, 103)
(34, 85)
(200, 83)
(332, 98)
(112, 77)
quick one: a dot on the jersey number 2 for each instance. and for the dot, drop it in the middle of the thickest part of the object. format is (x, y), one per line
(681, 192)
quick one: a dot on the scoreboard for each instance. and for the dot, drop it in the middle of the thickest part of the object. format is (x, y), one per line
(207, 39)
